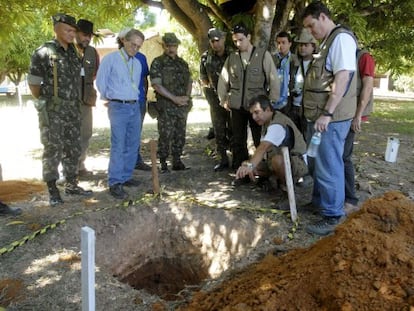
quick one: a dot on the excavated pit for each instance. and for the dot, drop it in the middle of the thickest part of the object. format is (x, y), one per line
(165, 250)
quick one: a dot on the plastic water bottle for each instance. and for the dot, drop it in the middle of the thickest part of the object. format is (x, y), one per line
(314, 145)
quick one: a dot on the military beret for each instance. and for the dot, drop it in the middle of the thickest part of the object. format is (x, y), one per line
(64, 18)
(170, 38)
(215, 34)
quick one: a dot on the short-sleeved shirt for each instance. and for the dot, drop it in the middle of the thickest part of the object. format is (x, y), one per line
(366, 66)
(341, 55)
(68, 65)
(275, 134)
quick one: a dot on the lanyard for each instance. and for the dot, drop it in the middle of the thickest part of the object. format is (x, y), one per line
(130, 70)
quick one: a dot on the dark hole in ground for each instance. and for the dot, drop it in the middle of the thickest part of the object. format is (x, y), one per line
(166, 277)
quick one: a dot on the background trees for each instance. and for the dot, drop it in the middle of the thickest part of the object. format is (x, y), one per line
(383, 26)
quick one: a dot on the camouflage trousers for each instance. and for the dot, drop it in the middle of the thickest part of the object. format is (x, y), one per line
(172, 124)
(220, 118)
(61, 141)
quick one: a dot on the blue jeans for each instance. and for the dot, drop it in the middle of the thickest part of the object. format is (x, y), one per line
(328, 174)
(143, 109)
(125, 120)
(350, 195)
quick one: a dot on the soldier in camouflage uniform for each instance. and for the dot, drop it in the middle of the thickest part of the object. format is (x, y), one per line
(212, 62)
(171, 80)
(54, 79)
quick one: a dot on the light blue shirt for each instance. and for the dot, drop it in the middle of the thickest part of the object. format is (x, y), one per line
(119, 76)
(284, 77)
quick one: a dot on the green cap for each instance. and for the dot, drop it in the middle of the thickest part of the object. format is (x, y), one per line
(170, 38)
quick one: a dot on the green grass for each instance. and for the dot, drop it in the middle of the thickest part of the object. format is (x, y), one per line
(398, 114)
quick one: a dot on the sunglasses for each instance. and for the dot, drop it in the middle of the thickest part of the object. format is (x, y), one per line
(240, 29)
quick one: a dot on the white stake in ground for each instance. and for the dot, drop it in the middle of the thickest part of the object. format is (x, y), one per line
(289, 184)
(88, 268)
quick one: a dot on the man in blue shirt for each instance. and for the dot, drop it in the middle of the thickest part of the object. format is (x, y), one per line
(118, 80)
(143, 89)
(284, 59)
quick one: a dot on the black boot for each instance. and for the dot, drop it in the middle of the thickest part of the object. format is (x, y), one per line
(54, 194)
(178, 165)
(71, 187)
(164, 166)
(224, 163)
(210, 134)
(7, 210)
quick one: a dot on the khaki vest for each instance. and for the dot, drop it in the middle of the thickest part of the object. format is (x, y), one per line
(370, 105)
(299, 145)
(90, 64)
(246, 83)
(318, 85)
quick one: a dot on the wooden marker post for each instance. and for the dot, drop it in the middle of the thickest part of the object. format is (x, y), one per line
(289, 184)
(155, 180)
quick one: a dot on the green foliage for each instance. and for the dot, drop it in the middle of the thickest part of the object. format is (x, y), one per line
(400, 115)
(144, 18)
(247, 20)
(404, 83)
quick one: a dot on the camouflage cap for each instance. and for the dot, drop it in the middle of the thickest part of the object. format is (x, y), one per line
(305, 37)
(64, 18)
(215, 34)
(170, 38)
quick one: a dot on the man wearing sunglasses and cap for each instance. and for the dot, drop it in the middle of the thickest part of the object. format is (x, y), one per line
(212, 62)
(54, 80)
(90, 64)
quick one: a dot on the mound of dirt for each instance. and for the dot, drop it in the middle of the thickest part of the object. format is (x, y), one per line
(366, 265)
(19, 190)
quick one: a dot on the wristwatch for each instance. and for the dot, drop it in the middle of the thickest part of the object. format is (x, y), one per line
(248, 165)
(327, 114)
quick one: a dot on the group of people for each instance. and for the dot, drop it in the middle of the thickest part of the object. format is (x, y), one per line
(61, 77)
(282, 98)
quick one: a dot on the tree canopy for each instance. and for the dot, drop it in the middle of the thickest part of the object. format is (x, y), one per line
(385, 27)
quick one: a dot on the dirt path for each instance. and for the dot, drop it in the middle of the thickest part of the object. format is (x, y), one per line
(201, 224)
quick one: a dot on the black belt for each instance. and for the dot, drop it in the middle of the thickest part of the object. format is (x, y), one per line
(124, 101)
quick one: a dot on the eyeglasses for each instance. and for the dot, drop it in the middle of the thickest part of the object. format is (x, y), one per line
(134, 45)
